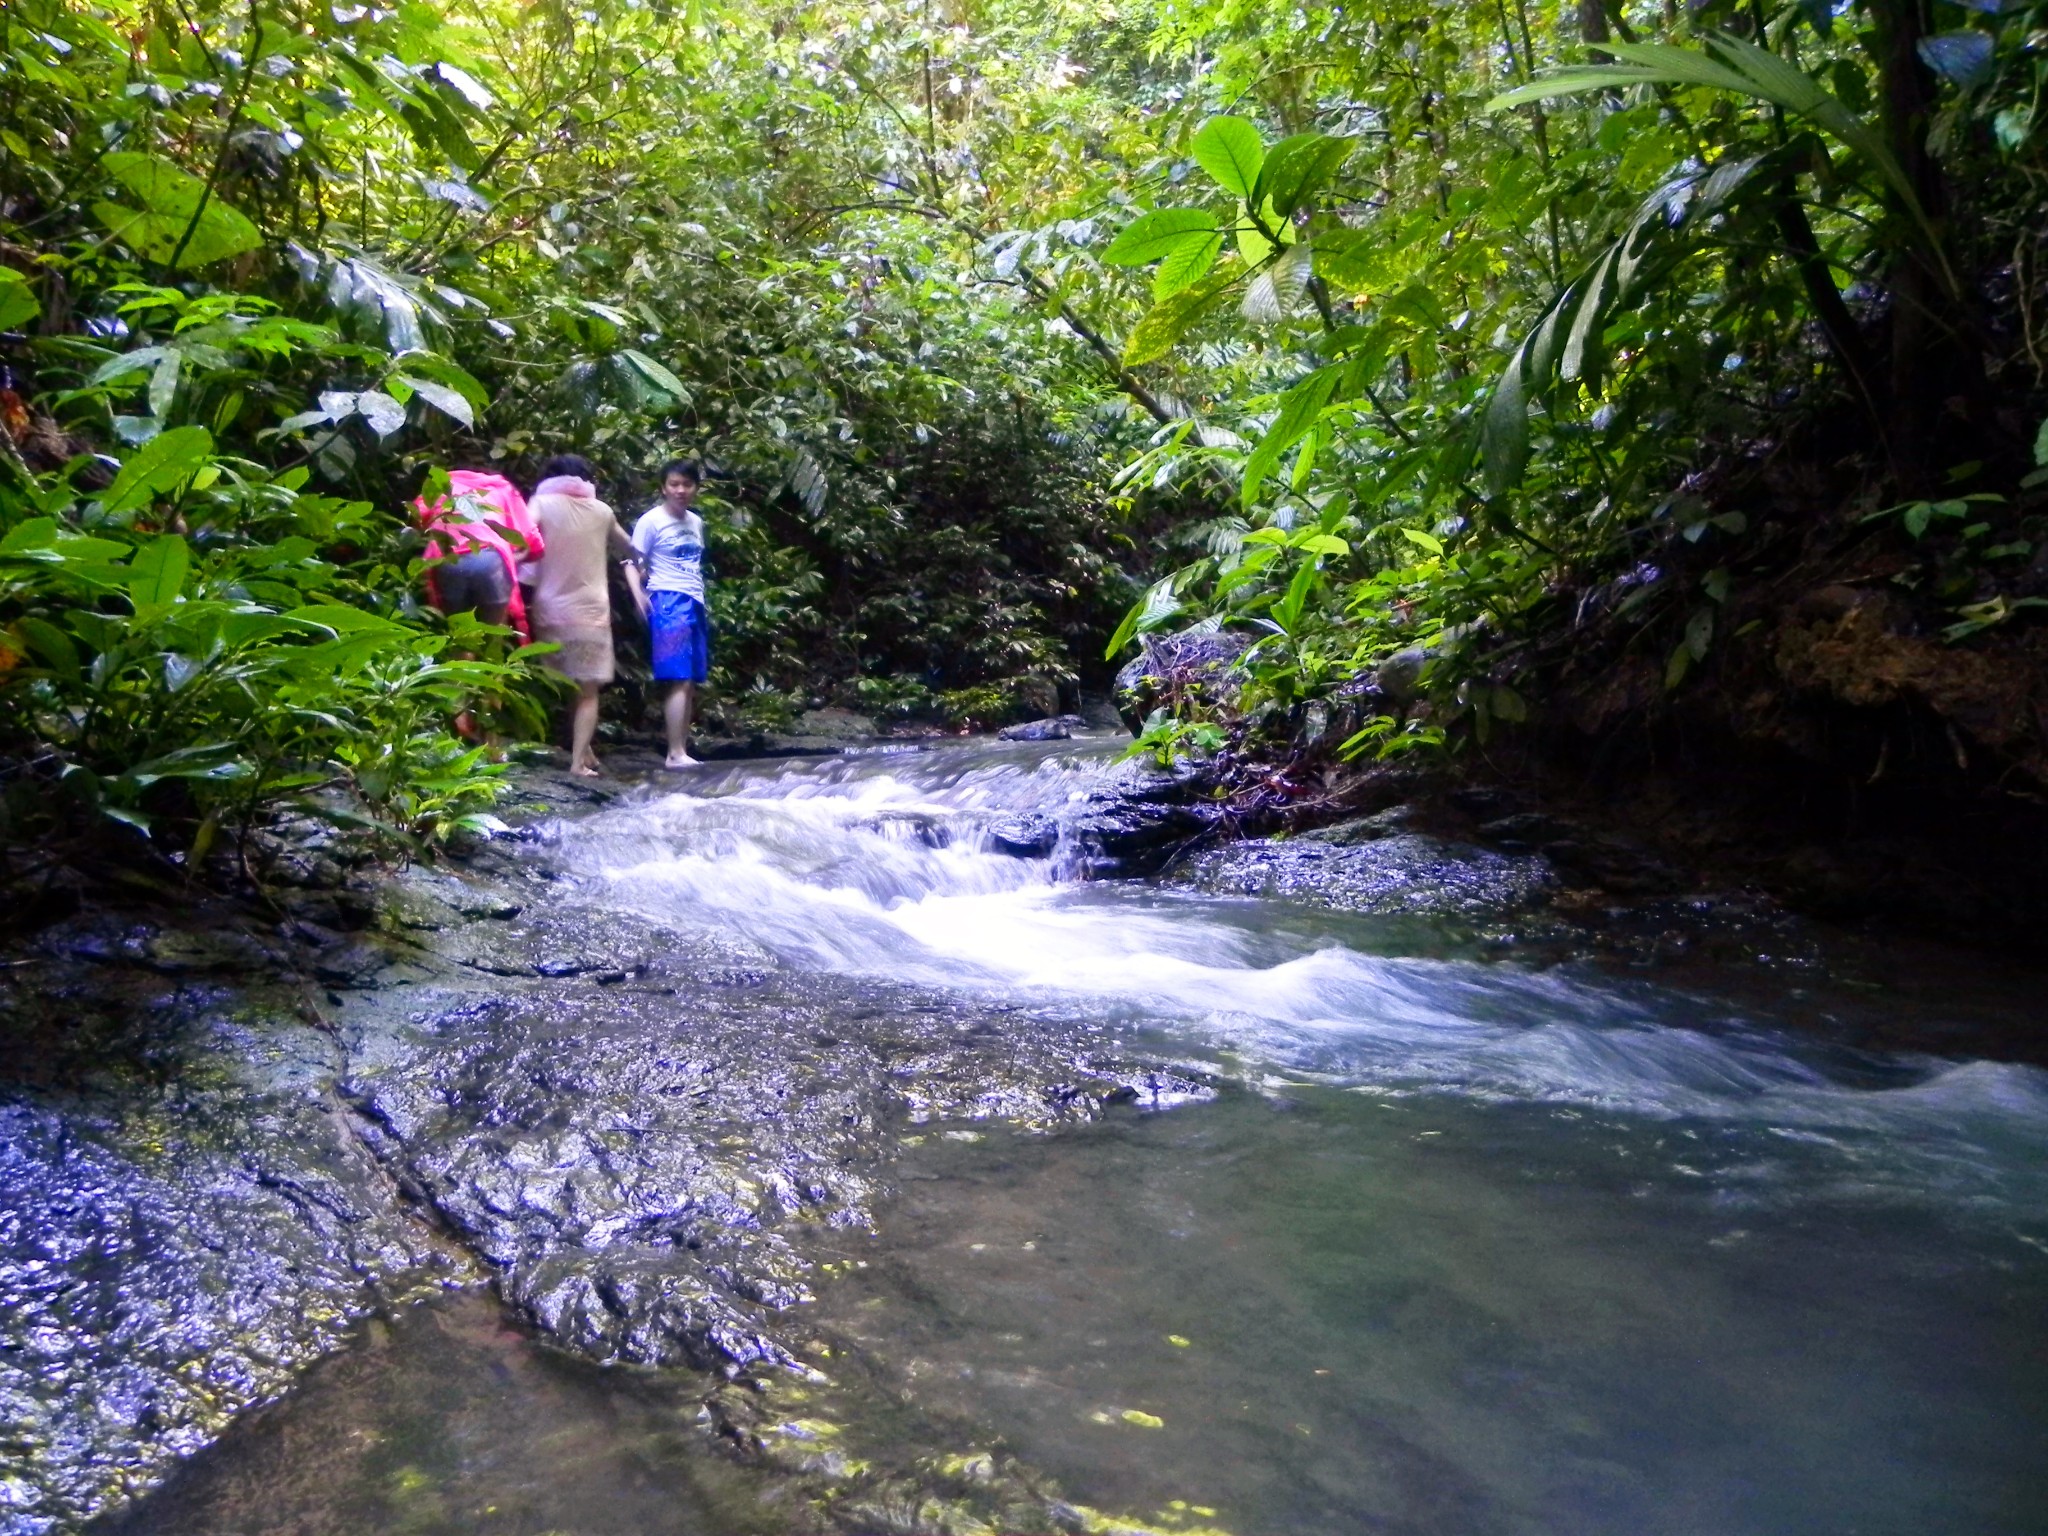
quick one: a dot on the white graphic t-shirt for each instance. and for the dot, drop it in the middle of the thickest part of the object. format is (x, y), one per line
(671, 550)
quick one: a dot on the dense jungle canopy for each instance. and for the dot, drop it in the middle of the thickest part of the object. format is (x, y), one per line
(1593, 356)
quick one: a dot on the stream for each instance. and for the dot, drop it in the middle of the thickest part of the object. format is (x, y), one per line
(1432, 1217)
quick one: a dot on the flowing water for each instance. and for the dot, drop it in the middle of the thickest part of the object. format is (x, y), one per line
(1477, 1236)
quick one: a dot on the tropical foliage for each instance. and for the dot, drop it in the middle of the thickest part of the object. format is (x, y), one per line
(1358, 330)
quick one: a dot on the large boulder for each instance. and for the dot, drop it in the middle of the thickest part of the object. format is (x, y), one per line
(1168, 668)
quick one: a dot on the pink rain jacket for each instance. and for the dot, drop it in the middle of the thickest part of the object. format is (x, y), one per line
(486, 507)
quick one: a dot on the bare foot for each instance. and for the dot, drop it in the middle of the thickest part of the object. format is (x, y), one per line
(587, 769)
(681, 760)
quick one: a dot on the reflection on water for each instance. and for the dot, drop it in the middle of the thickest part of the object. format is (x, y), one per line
(447, 1421)
(1337, 1312)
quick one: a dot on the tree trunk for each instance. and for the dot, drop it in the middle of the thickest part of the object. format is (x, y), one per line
(1937, 392)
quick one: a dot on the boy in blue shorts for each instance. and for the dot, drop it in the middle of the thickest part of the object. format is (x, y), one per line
(669, 539)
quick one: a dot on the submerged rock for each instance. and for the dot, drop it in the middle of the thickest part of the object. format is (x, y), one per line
(1137, 816)
(1055, 728)
(1032, 835)
(1402, 874)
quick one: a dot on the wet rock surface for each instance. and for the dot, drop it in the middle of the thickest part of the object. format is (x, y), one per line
(1053, 728)
(187, 1221)
(224, 1144)
(1398, 873)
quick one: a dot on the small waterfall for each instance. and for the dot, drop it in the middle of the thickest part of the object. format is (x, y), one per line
(892, 866)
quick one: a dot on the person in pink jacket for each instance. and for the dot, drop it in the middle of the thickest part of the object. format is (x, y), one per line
(476, 547)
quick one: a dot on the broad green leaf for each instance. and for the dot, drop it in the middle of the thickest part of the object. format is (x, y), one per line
(1230, 150)
(1300, 408)
(18, 301)
(1169, 320)
(1188, 265)
(1154, 236)
(163, 382)
(1298, 168)
(176, 210)
(384, 414)
(161, 464)
(51, 646)
(35, 535)
(1737, 65)
(1276, 293)
(448, 401)
(1424, 541)
(157, 572)
(657, 375)
(1504, 434)
(344, 620)
(1159, 604)
(466, 85)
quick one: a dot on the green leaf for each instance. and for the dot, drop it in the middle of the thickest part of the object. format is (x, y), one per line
(1276, 293)
(448, 401)
(1230, 150)
(1676, 668)
(1504, 431)
(384, 414)
(1167, 321)
(173, 203)
(1699, 632)
(17, 300)
(1153, 236)
(466, 85)
(1737, 65)
(162, 463)
(33, 536)
(1158, 605)
(1298, 168)
(50, 644)
(1187, 265)
(343, 620)
(1300, 408)
(657, 375)
(163, 382)
(1427, 542)
(157, 572)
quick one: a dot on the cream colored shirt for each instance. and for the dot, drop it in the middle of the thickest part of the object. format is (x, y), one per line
(572, 582)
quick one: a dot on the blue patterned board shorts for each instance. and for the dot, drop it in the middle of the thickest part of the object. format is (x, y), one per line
(682, 637)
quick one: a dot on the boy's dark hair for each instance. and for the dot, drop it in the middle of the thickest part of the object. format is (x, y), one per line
(573, 465)
(687, 468)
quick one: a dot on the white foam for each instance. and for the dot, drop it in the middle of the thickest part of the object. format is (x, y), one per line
(833, 867)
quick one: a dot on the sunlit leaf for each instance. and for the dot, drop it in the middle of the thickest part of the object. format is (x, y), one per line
(1159, 234)
(1230, 150)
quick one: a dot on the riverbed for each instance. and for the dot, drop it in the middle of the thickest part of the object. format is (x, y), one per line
(1378, 1190)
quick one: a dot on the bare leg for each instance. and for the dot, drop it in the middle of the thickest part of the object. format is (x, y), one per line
(582, 728)
(490, 613)
(676, 710)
